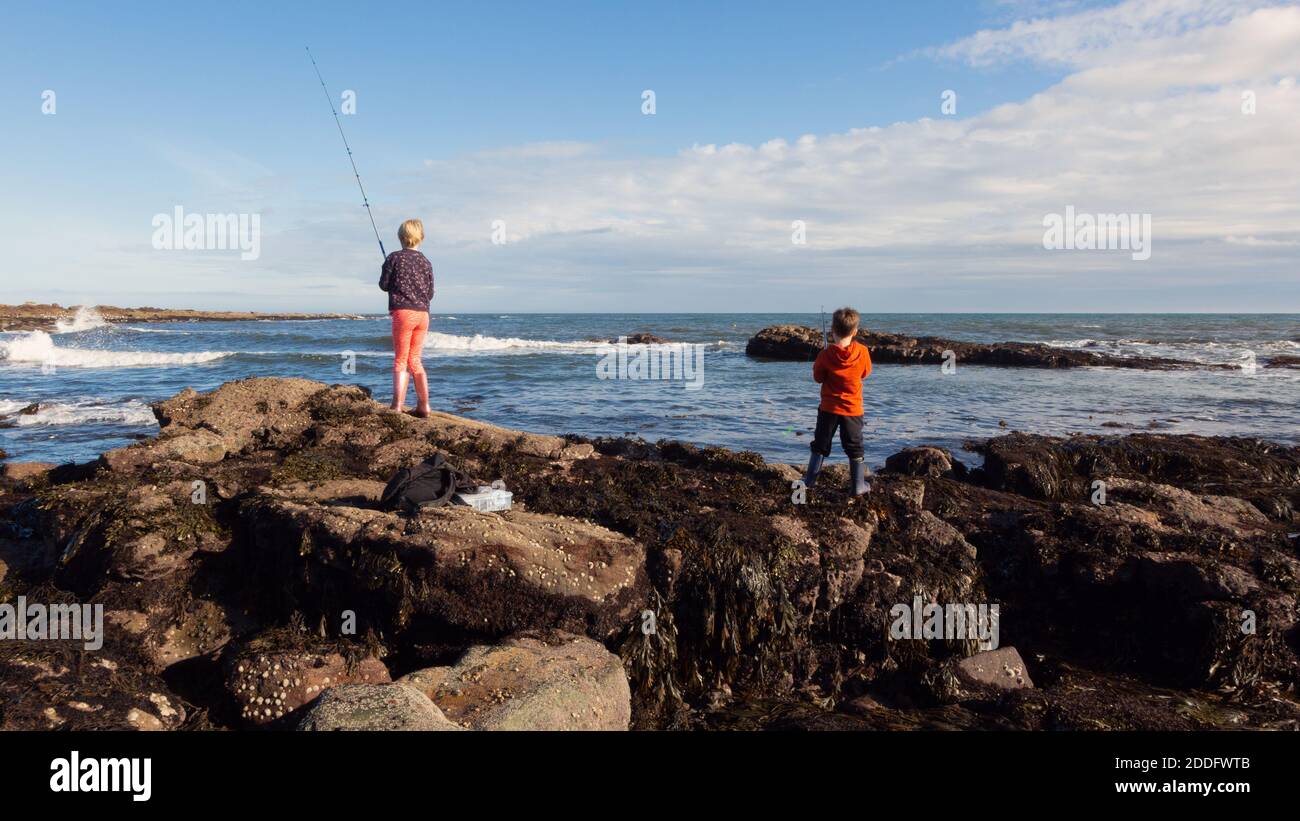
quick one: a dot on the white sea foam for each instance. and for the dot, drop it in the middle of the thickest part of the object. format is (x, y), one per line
(1202, 352)
(131, 412)
(38, 348)
(86, 318)
(152, 330)
(450, 342)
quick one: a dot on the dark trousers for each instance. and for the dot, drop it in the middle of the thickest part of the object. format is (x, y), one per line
(850, 428)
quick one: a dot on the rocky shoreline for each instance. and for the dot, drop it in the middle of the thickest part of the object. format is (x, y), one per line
(31, 316)
(249, 580)
(796, 343)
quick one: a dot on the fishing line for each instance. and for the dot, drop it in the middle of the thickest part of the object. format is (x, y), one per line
(364, 200)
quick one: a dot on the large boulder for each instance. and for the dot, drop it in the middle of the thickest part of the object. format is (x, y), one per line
(370, 707)
(552, 682)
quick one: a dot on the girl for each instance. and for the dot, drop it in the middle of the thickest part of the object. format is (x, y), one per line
(407, 276)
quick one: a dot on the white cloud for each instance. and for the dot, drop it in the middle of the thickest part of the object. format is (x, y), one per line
(1090, 36)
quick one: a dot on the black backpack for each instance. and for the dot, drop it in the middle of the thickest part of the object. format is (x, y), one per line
(431, 483)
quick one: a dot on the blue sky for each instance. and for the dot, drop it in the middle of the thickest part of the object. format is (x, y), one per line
(766, 113)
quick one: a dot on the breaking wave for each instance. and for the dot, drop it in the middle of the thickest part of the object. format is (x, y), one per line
(85, 319)
(38, 348)
(478, 342)
(131, 412)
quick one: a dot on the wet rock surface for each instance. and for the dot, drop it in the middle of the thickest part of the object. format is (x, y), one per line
(555, 681)
(797, 343)
(1144, 581)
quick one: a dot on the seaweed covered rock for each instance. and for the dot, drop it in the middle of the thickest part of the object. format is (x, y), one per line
(370, 707)
(1043, 467)
(126, 530)
(550, 681)
(1177, 584)
(452, 567)
(55, 685)
(927, 461)
(786, 342)
(1158, 577)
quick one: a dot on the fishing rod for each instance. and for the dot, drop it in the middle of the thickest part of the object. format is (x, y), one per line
(364, 200)
(823, 310)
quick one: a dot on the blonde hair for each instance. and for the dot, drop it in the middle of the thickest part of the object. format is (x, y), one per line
(411, 233)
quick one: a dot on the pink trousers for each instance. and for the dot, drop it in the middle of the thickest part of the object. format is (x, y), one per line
(409, 328)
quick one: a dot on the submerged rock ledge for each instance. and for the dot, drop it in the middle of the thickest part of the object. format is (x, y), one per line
(249, 580)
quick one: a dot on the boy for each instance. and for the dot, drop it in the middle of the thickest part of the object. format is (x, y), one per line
(407, 276)
(840, 369)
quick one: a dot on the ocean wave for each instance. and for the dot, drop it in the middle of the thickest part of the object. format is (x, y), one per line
(440, 344)
(477, 343)
(132, 412)
(38, 348)
(85, 319)
(1200, 351)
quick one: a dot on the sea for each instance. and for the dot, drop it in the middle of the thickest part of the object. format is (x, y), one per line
(87, 386)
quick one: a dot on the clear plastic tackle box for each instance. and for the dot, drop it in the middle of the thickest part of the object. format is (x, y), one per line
(487, 499)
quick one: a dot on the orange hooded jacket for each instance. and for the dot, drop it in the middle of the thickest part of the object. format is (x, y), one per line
(840, 372)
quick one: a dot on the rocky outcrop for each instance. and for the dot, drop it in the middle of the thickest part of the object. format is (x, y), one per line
(796, 343)
(793, 343)
(551, 682)
(31, 316)
(646, 585)
(634, 339)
